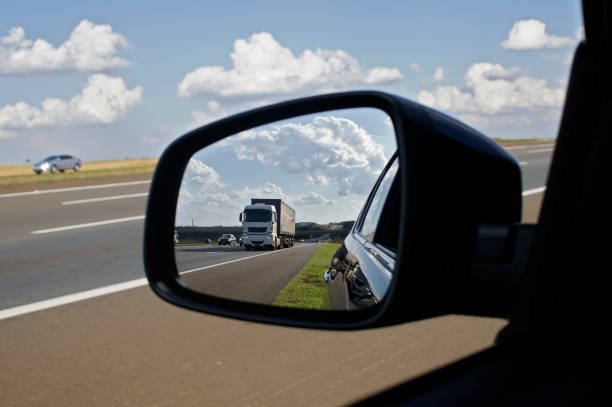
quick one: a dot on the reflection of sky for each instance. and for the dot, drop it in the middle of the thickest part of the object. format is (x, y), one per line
(237, 174)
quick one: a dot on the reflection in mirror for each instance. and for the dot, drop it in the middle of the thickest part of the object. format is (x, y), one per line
(266, 216)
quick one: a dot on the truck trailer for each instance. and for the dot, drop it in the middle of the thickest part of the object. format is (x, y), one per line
(267, 223)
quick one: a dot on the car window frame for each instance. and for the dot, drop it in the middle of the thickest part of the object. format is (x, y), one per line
(366, 208)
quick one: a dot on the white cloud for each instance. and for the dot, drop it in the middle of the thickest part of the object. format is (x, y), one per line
(311, 198)
(415, 67)
(104, 99)
(262, 66)
(494, 89)
(580, 33)
(326, 149)
(199, 176)
(267, 190)
(438, 74)
(90, 48)
(531, 35)
(214, 113)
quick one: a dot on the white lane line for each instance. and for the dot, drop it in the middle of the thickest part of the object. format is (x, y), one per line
(515, 148)
(52, 191)
(533, 191)
(67, 299)
(523, 163)
(541, 150)
(87, 225)
(98, 292)
(106, 198)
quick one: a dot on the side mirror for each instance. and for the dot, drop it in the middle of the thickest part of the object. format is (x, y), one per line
(450, 180)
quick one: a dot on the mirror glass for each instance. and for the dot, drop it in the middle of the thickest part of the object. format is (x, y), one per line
(267, 215)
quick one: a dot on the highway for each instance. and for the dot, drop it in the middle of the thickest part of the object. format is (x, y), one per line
(122, 345)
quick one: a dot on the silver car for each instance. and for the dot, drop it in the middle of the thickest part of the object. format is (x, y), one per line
(57, 163)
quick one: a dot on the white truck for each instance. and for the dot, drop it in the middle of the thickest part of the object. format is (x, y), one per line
(267, 223)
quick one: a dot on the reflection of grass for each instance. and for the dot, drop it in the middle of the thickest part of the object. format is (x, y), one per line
(22, 174)
(527, 141)
(308, 289)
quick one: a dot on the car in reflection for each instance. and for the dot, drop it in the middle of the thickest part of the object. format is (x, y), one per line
(361, 269)
(55, 163)
(227, 239)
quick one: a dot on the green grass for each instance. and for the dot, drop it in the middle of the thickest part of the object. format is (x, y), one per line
(308, 289)
(527, 141)
(69, 174)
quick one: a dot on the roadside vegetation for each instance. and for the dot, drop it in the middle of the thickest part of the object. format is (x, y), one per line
(308, 289)
(528, 141)
(22, 174)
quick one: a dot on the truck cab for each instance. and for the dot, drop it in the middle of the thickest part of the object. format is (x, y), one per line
(259, 227)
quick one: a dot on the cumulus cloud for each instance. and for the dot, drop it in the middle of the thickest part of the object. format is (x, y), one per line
(262, 66)
(326, 150)
(494, 89)
(104, 99)
(199, 176)
(311, 198)
(267, 190)
(415, 67)
(438, 74)
(531, 35)
(213, 113)
(90, 48)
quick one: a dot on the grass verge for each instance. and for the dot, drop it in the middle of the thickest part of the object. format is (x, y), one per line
(308, 289)
(22, 174)
(528, 141)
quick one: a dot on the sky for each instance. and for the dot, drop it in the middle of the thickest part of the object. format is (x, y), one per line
(123, 79)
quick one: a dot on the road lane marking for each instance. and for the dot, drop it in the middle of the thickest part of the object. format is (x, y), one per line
(533, 191)
(105, 198)
(52, 191)
(541, 150)
(87, 225)
(98, 292)
(515, 148)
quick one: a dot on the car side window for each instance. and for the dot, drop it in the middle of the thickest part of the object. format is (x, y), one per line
(370, 221)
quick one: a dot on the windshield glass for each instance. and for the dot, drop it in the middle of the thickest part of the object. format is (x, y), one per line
(257, 215)
(226, 236)
(50, 158)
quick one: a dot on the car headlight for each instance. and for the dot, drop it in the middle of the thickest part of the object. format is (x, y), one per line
(44, 166)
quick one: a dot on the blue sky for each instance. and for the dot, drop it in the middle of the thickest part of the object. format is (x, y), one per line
(120, 79)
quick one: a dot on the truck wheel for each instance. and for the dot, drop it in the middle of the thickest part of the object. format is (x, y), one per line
(247, 248)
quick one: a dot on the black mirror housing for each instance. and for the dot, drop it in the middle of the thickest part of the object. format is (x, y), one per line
(454, 180)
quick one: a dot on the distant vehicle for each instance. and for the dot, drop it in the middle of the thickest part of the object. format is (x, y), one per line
(227, 239)
(176, 236)
(207, 241)
(267, 223)
(241, 240)
(55, 163)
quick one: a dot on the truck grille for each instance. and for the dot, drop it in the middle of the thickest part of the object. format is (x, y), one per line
(258, 230)
(257, 241)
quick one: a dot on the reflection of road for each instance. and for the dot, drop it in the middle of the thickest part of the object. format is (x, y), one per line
(248, 276)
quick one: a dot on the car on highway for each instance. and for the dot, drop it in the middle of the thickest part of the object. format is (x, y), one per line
(55, 163)
(207, 241)
(227, 239)
(457, 245)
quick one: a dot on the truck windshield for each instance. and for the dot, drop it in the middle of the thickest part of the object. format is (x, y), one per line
(257, 215)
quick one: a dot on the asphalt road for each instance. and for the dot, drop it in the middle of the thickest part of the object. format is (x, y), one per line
(258, 278)
(128, 347)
